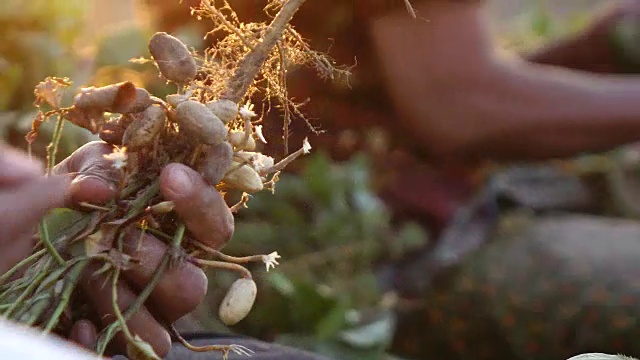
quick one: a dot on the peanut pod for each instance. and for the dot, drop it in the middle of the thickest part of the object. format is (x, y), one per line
(238, 301)
(243, 177)
(198, 122)
(225, 110)
(120, 98)
(174, 60)
(112, 132)
(145, 128)
(214, 162)
(236, 138)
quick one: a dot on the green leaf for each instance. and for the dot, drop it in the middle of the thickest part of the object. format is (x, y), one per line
(378, 334)
(281, 283)
(62, 221)
(334, 321)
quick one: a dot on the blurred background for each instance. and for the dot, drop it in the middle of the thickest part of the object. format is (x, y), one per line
(340, 289)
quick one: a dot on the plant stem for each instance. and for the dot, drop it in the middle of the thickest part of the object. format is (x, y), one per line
(250, 65)
(52, 149)
(44, 239)
(116, 308)
(33, 257)
(225, 349)
(37, 308)
(111, 330)
(141, 202)
(225, 257)
(72, 280)
(158, 233)
(25, 293)
(222, 265)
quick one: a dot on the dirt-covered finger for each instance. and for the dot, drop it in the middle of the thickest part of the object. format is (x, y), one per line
(199, 206)
(180, 289)
(98, 289)
(96, 180)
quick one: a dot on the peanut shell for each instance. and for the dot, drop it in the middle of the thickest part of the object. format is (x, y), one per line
(174, 60)
(238, 301)
(112, 133)
(120, 98)
(236, 138)
(198, 122)
(243, 178)
(145, 128)
(214, 162)
(225, 110)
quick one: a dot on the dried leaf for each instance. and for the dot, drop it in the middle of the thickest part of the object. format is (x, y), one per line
(35, 125)
(94, 244)
(50, 91)
(91, 119)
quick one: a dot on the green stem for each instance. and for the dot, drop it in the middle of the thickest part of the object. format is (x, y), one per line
(116, 308)
(44, 239)
(72, 280)
(52, 149)
(179, 235)
(33, 257)
(158, 233)
(35, 306)
(111, 330)
(19, 301)
(37, 309)
(143, 200)
(13, 287)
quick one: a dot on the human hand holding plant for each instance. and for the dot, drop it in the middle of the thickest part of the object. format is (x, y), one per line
(87, 177)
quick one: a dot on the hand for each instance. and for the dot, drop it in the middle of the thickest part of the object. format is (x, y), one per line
(590, 49)
(25, 196)
(181, 289)
(606, 19)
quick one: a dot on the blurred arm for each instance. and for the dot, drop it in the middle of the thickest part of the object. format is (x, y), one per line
(463, 100)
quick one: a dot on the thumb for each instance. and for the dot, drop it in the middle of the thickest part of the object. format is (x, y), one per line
(21, 207)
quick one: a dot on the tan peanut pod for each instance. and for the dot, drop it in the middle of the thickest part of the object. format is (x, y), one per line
(112, 132)
(238, 301)
(174, 60)
(91, 119)
(126, 119)
(243, 177)
(197, 121)
(236, 138)
(214, 162)
(226, 110)
(145, 128)
(121, 98)
(175, 99)
(141, 101)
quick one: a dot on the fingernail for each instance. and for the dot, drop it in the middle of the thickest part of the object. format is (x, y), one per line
(180, 182)
(83, 333)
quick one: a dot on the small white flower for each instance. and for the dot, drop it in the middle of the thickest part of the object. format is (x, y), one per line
(118, 157)
(306, 147)
(270, 260)
(247, 112)
(258, 130)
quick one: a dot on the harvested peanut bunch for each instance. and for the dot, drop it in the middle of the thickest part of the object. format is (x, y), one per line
(208, 124)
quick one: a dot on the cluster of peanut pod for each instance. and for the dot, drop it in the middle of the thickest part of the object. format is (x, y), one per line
(151, 132)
